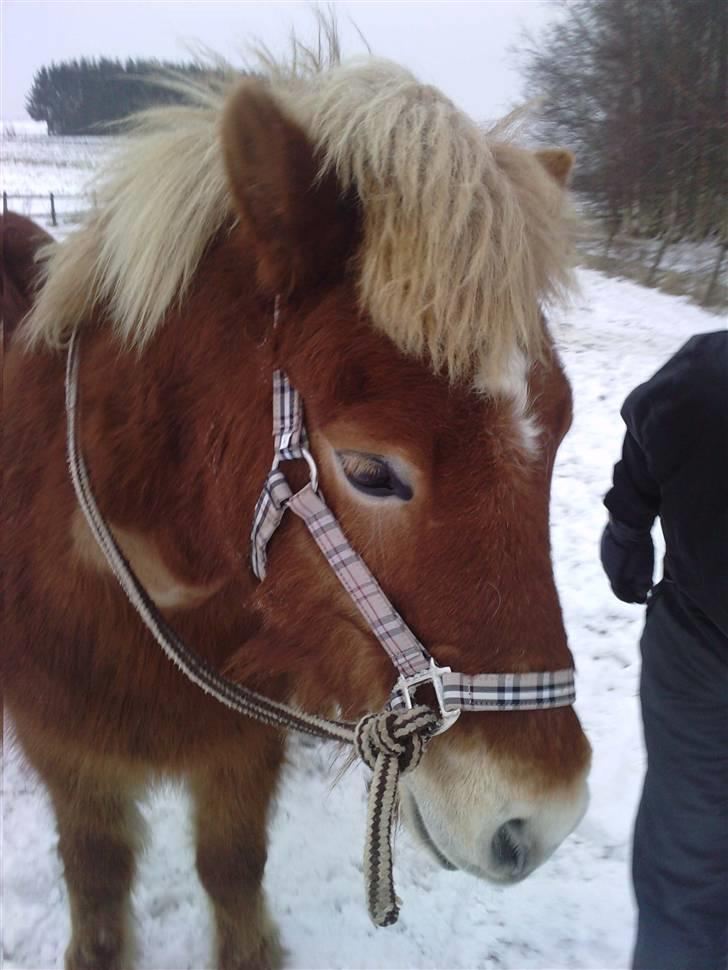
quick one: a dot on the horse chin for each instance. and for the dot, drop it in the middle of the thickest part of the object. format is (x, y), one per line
(416, 824)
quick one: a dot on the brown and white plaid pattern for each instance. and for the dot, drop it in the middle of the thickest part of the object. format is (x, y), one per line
(508, 692)
(269, 511)
(289, 432)
(402, 646)
(290, 441)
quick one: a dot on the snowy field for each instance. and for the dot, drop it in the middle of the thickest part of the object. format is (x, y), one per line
(34, 165)
(576, 911)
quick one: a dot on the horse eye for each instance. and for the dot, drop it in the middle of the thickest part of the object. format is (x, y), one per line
(373, 476)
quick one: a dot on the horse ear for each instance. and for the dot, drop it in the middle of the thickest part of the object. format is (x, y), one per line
(296, 221)
(558, 162)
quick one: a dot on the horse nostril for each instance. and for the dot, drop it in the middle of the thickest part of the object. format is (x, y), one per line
(508, 848)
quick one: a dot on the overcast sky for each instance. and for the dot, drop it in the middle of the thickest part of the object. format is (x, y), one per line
(462, 47)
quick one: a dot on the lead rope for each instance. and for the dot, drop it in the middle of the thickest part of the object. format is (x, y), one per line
(390, 743)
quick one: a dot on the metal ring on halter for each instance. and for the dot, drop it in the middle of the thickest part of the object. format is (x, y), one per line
(433, 675)
(310, 461)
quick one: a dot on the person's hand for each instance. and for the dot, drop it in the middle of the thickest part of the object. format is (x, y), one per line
(628, 558)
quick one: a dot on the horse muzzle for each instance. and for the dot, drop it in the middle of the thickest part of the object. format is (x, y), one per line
(507, 847)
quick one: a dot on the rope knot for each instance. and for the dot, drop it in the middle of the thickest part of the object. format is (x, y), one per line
(390, 743)
(396, 734)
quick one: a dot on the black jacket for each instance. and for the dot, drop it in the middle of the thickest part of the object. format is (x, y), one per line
(675, 465)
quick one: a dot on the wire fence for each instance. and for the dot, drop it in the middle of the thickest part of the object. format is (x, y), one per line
(53, 207)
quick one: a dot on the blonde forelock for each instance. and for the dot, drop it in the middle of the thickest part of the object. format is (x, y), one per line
(465, 235)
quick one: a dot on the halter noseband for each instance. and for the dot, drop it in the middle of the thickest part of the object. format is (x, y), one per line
(390, 742)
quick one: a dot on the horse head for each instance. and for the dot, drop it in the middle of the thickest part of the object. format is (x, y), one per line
(409, 255)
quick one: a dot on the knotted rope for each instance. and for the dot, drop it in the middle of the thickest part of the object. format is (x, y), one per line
(389, 743)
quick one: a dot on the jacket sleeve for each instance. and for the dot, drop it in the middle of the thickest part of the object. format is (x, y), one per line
(634, 498)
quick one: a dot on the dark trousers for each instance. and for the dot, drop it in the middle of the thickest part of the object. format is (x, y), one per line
(680, 859)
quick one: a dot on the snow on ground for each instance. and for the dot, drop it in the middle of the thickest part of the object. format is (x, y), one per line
(577, 910)
(35, 164)
(39, 163)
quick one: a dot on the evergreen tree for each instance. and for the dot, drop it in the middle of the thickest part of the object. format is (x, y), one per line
(83, 96)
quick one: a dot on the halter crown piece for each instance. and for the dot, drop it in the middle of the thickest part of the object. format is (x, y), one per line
(390, 742)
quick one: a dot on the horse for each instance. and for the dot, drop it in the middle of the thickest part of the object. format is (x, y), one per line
(21, 240)
(349, 226)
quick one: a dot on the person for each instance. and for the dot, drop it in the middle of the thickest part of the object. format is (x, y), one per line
(675, 465)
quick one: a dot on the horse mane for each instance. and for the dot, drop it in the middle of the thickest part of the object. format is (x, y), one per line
(465, 235)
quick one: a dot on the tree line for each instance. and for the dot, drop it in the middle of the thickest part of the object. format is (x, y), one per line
(81, 97)
(639, 90)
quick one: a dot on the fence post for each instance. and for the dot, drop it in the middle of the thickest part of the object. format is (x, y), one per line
(5, 203)
(53, 210)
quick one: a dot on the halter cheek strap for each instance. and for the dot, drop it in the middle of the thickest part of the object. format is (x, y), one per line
(453, 691)
(390, 742)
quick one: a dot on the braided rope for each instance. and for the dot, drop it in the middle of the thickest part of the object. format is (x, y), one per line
(390, 744)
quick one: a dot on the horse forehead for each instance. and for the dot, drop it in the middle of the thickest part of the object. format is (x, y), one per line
(511, 417)
(449, 428)
(405, 403)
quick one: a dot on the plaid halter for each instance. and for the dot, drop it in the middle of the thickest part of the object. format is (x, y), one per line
(390, 742)
(454, 691)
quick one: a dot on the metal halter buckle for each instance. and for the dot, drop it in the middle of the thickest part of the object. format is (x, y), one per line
(310, 461)
(433, 675)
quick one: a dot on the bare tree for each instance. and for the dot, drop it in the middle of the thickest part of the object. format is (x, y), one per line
(639, 88)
